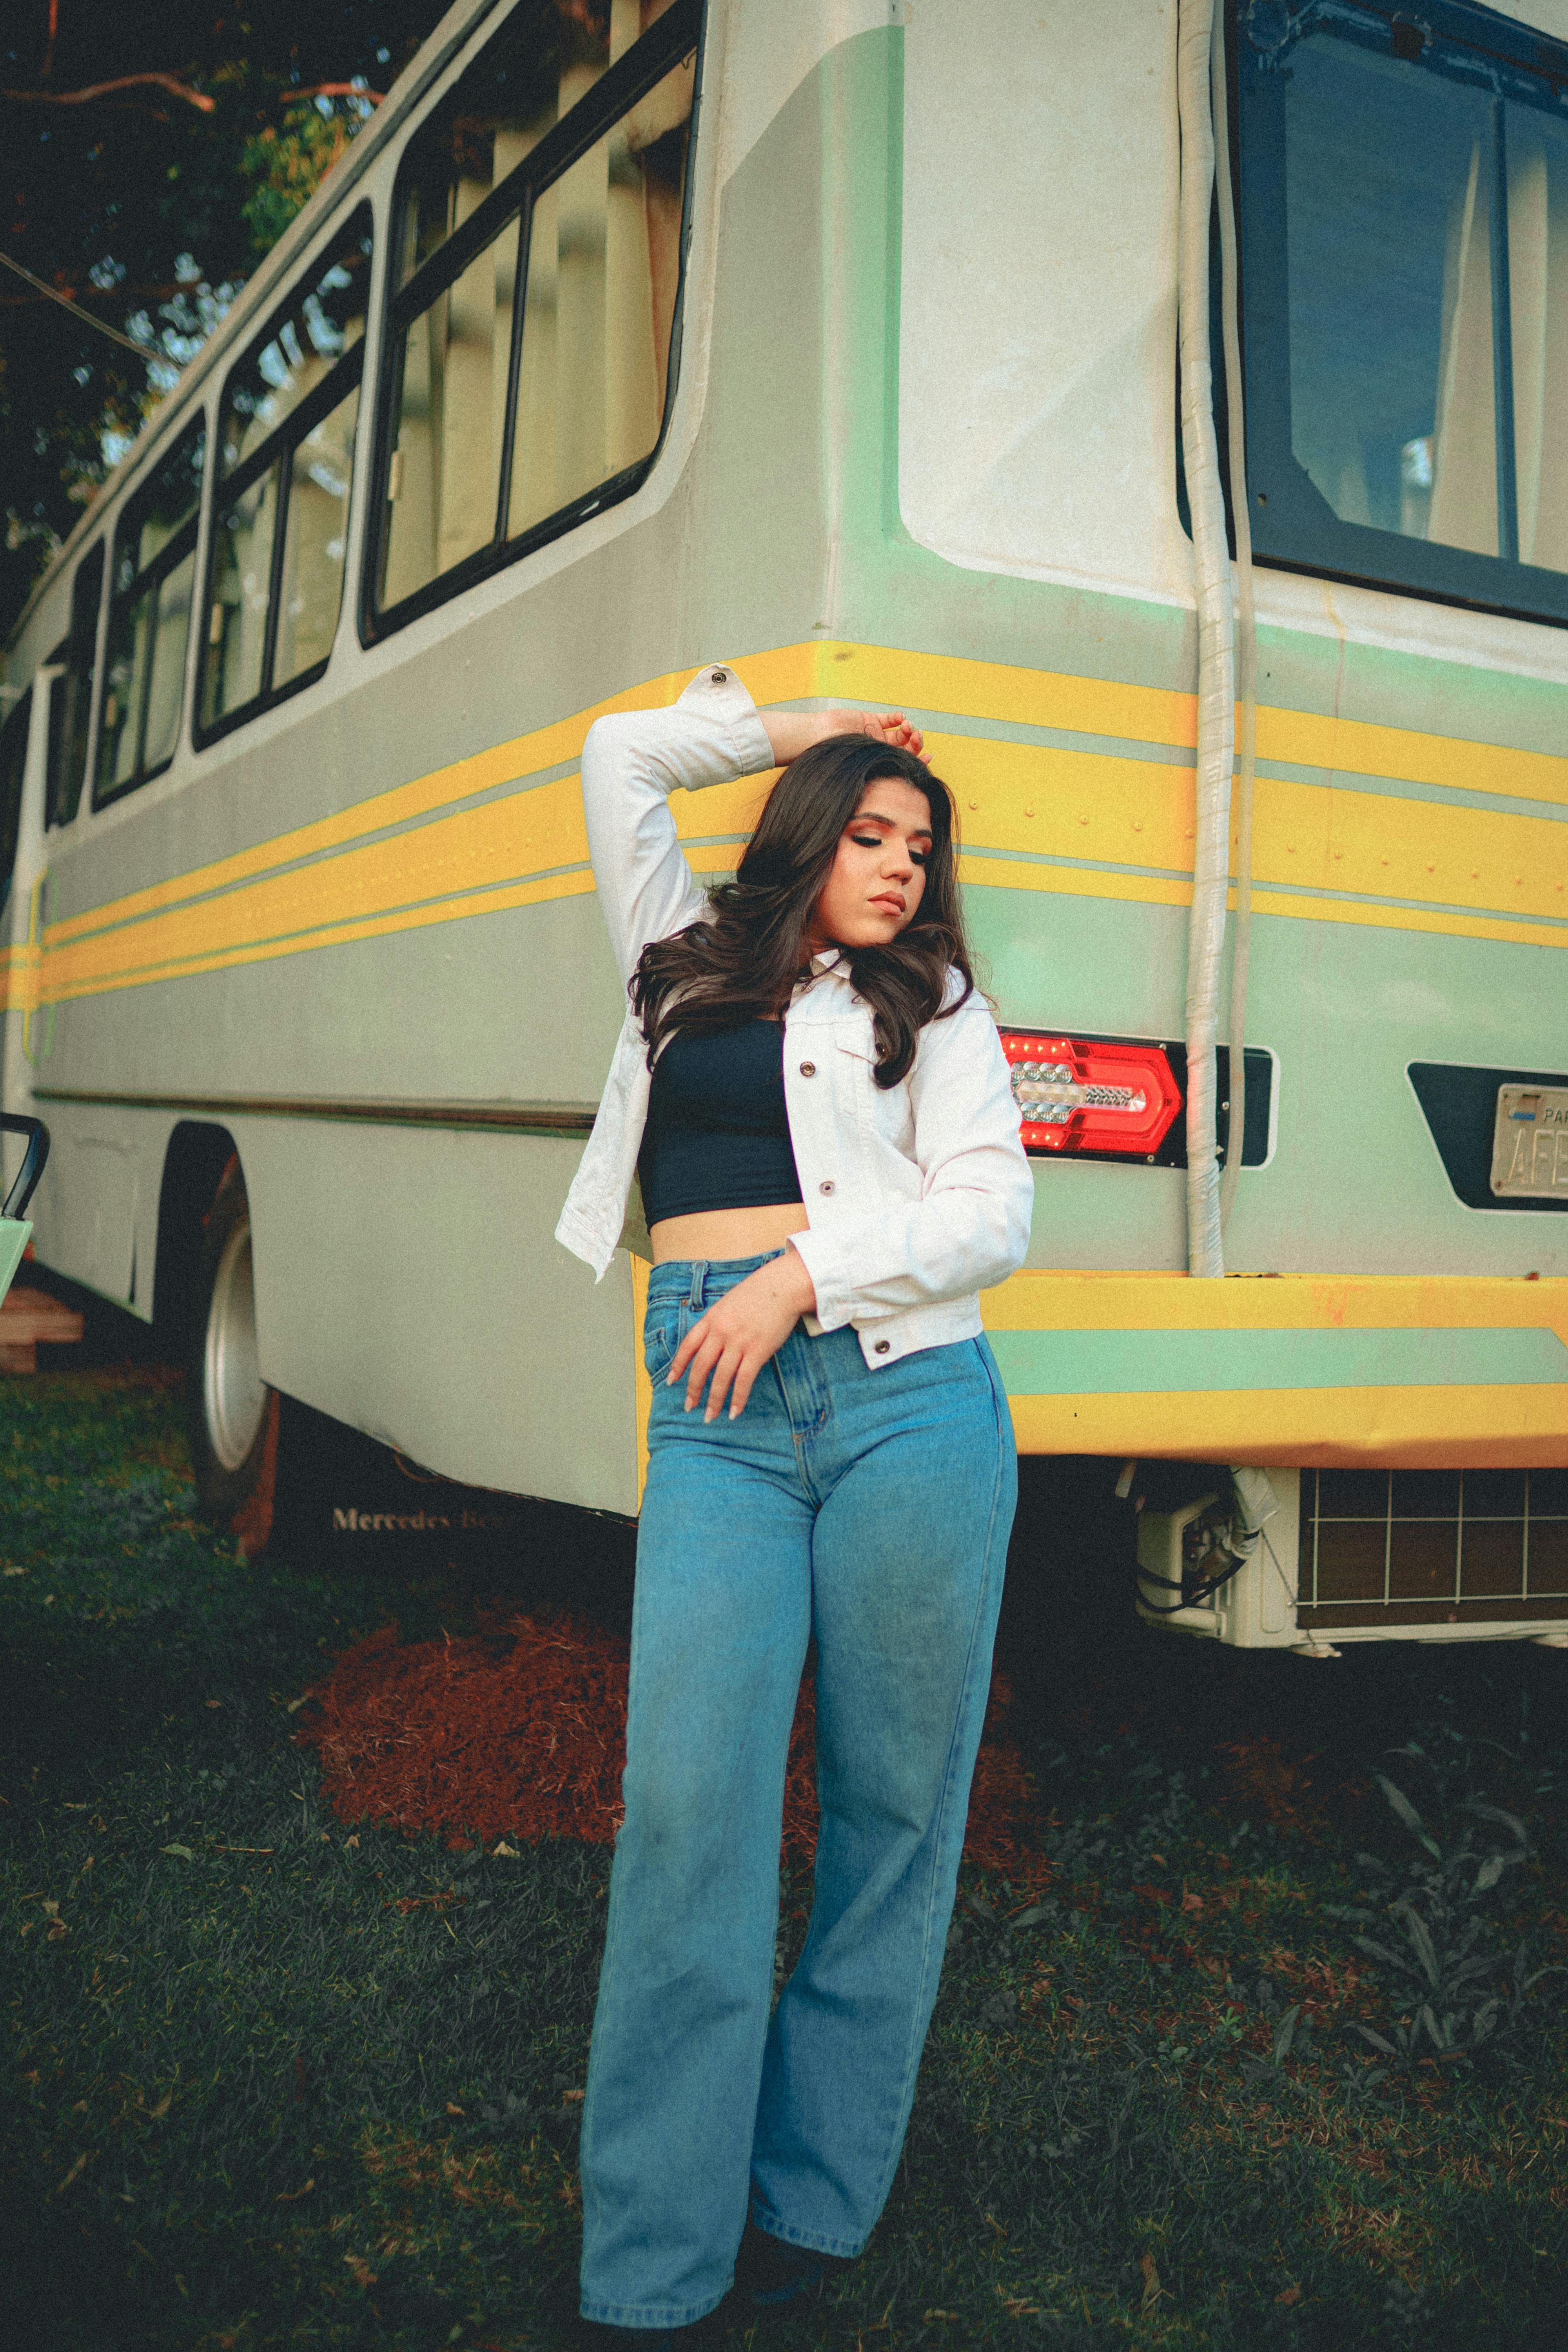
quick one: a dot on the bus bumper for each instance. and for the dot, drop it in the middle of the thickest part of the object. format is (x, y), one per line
(1406, 1372)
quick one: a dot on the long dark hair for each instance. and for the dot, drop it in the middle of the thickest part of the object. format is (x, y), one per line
(742, 961)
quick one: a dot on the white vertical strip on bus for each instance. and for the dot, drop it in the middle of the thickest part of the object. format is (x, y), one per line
(1216, 652)
(1246, 620)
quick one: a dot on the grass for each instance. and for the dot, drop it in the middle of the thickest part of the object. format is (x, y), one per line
(275, 2081)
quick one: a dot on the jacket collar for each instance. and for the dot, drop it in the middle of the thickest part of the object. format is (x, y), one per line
(825, 992)
(832, 967)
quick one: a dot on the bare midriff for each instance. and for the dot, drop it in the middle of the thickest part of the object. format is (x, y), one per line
(727, 1233)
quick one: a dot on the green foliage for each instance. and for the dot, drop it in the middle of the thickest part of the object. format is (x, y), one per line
(286, 166)
(148, 205)
(1457, 1977)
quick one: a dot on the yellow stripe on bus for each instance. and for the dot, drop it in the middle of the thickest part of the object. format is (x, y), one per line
(19, 977)
(642, 1386)
(1088, 818)
(1052, 1300)
(1141, 714)
(1075, 882)
(383, 882)
(1133, 812)
(1354, 747)
(997, 874)
(527, 893)
(504, 764)
(998, 691)
(1523, 1426)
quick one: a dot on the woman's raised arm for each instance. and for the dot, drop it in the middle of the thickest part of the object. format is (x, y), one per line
(633, 761)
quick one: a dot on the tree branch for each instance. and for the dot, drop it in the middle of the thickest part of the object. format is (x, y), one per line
(126, 296)
(196, 98)
(54, 294)
(338, 89)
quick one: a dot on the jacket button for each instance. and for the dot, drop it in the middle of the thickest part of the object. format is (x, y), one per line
(881, 1347)
(825, 1185)
(808, 1069)
(721, 677)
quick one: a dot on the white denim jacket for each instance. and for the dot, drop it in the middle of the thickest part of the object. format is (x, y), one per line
(918, 1196)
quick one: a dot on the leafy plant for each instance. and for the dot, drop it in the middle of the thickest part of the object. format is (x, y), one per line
(286, 164)
(1439, 1943)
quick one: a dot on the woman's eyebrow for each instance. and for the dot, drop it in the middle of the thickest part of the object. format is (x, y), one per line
(869, 816)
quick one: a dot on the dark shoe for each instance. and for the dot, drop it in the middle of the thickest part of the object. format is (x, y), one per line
(769, 2272)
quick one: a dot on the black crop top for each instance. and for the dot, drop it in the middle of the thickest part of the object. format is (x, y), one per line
(718, 1132)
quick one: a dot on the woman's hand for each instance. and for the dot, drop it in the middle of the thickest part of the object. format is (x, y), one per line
(791, 732)
(741, 1332)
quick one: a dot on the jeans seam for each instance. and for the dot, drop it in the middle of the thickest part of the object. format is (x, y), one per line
(912, 2057)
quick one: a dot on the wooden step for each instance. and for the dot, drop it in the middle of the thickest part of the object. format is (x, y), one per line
(26, 1318)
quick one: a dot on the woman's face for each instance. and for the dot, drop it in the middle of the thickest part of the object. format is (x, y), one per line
(878, 878)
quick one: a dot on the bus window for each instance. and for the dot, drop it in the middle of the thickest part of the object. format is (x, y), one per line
(484, 127)
(1404, 207)
(150, 622)
(285, 441)
(70, 710)
(12, 769)
(556, 169)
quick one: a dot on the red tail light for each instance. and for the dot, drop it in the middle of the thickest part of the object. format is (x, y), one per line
(1075, 1095)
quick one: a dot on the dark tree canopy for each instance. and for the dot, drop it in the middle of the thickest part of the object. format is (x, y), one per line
(148, 158)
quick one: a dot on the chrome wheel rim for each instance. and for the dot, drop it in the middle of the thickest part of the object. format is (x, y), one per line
(233, 1394)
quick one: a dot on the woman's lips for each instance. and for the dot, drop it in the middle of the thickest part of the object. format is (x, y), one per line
(892, 902)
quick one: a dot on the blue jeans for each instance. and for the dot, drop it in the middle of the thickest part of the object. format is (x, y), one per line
(873, 1510)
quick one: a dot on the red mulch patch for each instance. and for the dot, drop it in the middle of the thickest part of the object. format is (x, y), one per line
(1265, 1780)
(520, 1731)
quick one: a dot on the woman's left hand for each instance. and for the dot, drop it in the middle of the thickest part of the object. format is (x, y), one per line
(741, 1332)
(791, 732)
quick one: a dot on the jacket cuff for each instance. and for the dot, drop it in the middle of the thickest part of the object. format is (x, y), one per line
(718, 691)
(817, 1252)
(752, 748)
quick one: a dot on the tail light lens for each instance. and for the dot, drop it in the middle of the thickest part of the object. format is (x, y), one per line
(1085, 1095)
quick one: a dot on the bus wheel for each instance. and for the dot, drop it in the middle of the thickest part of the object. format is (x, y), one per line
(231, 1413)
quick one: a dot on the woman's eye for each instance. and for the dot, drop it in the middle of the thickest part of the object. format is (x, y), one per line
(875, 841)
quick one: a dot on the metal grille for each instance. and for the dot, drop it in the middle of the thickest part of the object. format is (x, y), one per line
(1433, 1545)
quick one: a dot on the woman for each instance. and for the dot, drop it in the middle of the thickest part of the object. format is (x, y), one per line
(818, 1106)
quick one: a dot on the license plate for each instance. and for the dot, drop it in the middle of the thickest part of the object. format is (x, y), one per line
(1530, 1143)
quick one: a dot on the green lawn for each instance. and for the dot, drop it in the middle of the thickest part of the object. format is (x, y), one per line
(275, 2081)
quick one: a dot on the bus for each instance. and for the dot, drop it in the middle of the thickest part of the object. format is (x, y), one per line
(883, 352)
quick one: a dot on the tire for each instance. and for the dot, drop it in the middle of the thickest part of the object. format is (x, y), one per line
(231, 1414)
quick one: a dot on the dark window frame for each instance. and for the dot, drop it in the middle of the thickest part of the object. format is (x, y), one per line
(75, 692)
(670, 39)
(1294, 529)
(54, 739)
(226, 490)
(150, 580)
(16, 727)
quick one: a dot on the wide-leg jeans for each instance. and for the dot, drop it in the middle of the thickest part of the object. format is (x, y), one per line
(872, 1509)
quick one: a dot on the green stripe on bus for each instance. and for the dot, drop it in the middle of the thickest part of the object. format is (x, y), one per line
(1120, 1363)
